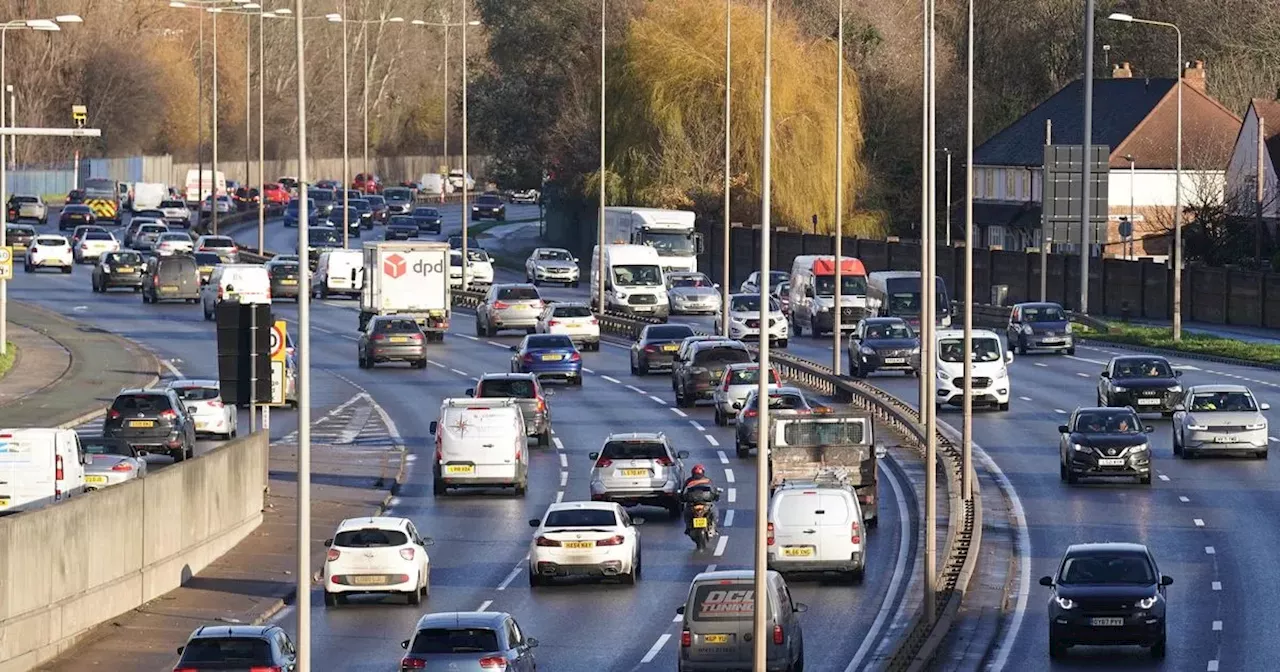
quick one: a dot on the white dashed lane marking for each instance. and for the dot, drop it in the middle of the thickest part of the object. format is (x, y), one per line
(1182, 498)
(1082, 375)
(724, 459)
(733, 495)
(720, 545)
(459, 372)
(564, 459)
(1041, 364)
(615, 380)
(635, 389)
(1029, 398)
(697, 426)
(1059, 410)
(435, 363)
(664, 401)
(500, 345)
(657, 646)
(1209, 550)
(728, 518)
(1217, 625)
(1216, 585)
(564, 478)
(685, 415)
(560, 444)
(1163, 477)
(711, 439)
(1212, 667)
(510, 577)
(1198, 522)
(485, 605)
(728, 475)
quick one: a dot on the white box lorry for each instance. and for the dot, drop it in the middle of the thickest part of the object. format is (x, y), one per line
(408, 279)
(670, 232)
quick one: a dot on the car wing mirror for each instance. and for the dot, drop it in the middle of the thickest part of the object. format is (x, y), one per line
(1105, 374)
(141, 453)
(1008, 358)
(181, 649)
(737, 405)
(534, 522)
(471, 392)
(431, 429)
(531, 643)
(1046, 581)
(404, 644)
(515, 348)
(549, 393)
(1062, 429)
(328, 543)
(594, 456)
(1148, 429)
(684, 454)
(427, 541)
(1166, 580)
(680, 610)
(1264, 406)
(1177, 373)
(800, 607)
(637, 521)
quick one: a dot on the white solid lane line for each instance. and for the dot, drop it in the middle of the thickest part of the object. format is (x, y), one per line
(591, 371)
(657, 646)
(615, 380)
(510, 577)
(720, 545)
(711, 439)
(473, 338)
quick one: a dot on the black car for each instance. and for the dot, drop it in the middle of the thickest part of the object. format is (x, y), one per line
(354, 221)
(489, 206)
(365, 208)
(205, 261)
(696, 375)
(381, 211)
(1104, 443)
(238, 647)
(1107, 594)
(429, 220)
(883, 344)
(119, 269)
(1145, 382)
(656, 348)
(320, 238)
(284, 279)
(401, 227)
(75, 215)
(155, 420)
(1039, 326)
(19, 236)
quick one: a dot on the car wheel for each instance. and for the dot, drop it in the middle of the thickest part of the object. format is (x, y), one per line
(795, 329)
(720, 421)
(66, 270)
(1158, 649)
(856, 576)
(674, 509)
(1177, 445)
(1062, 471)
(1071, 350)
(178, 455)
(413, 597)
(330, 599)
(544, 439)
(1004, 406)
(535, 580)
(1056, 650)
(742, 451)
(574, 284)
(643, 369)
(782, 343)
(438, 488)
(522, 488)
(1262, 454)
(633, 577)
(1072, 478)
(1099, 399)
(1145, 480)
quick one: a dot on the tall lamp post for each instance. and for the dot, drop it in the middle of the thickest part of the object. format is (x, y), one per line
(446, 25)
(1177, 187)
(837, 330)
(728, 91)
(760, 642)
(601, 275)
(50, 25)
(303, 571)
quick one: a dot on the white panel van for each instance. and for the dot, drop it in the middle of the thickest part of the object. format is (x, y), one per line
(39, 466)
(480, 443)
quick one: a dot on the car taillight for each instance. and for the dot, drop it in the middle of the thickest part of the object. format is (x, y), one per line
(615, 540)
(333, 554)
(528, 358)
(604, 462)
(501, 305)
(594, 322)
(724, 384)
(686, 639)
(543, 541)
(665, 461)
(379, 337)
(266, 668)
(575, 357)
(855, 535)
(113, 414)
(752, 413)
(769, 535)
(406, 553)
(650, 348)
(777, 634)
(169, 415)
(542, 404)
(493, 663)
(408, 663)
(216, 403)
(123, 466)
(553, 323)
(57, 468)
(416, 338)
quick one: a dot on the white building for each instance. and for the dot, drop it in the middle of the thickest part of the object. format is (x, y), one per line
(1261, 119)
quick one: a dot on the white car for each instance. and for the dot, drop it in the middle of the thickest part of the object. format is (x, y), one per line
(574, 320)
(991, 361)
(382, 554)
(585, 539)
(692, 293)
(479, 269)
(1219, 419)
(93, 244)
(176, 213)
(173, 243)
(525, 196)
(455, 269)
(110, 461)
(225, 205)
(224, 246)
(744, 320)
(49, 251)
(203, 399)
(551, 264)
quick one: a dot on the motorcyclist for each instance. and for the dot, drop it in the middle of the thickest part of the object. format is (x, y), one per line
(698, 489)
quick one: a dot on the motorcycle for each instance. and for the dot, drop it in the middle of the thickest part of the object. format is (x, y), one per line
(702, 521)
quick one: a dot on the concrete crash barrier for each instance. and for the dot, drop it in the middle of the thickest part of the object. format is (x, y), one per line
(67, 568)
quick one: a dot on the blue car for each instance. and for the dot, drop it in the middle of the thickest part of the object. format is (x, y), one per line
(548, 356)
(291, 214)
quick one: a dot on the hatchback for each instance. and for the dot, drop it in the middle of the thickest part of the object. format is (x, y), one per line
(699, 372)
(155, 420)
(525, 389)
(782, 401)
(171, 243)
(490, 207)
(19, 237)
(472, 641)
(387, 338)
(119, 269)
(574, 320)
(429, 220)
(110, 461)
(49, 252)
(92, 245)
(717, 619)
(223, 246)
(203, 399)
(75, 215)
(739, 381)
(284, 279)
(509, 306)
(238, 647)
(147, 235)
(656, 348)
(381, 554)
(548, 356)
(83, 229)
(1040, 326)
(639, 469)
(401, 227)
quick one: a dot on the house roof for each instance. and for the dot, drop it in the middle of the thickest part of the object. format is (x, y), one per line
(1130, 115)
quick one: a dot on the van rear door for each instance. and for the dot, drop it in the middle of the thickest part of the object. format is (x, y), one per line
(835, 518)
(26, 470)
(719, 620)
(481, 443)
(795, 525)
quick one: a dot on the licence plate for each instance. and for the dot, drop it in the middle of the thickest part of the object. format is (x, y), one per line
(399, 339)
(716, 639)
(579, 544)
(142, 423)
(1108, 622)
(129, 269)
(670, 348)
(642, 309)
(367, 580)
(1148, 402)
(459, 469)
(798, 551)
(552, 358)
(1111, 462)
(700, 522)
(288, 282)
(168, 288)
(1224, 439)
(4, 501)
(894, 360)
(95, 479)
(209, 269)
(635, 473)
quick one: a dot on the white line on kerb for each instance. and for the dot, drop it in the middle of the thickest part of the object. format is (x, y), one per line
(682, 413)
(724, 459)
(1198, 522)
(724, 541)
(615, 380)
(711, 439)
(485, 605)
(564, 460)
(728, 475)
(728, 518)
(510, 577)
(657, 646)
(564, 478)
(1023, 548)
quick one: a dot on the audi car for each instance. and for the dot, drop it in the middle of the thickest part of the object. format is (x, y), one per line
(1146, 382)
(656, 347)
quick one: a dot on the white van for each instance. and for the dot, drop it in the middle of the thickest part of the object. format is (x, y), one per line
(242, 283)
(990, 368)
(201, 185)
(813, 292)
(635, 282)
(39, 466)
(480, 443)
(433, 185)
(816, 528)
(338, 272)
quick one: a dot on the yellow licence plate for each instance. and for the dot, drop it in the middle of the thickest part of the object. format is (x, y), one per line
(673, 348)
(579, 544)
(142, 423)
(635, 473)
(700, 522)
(129, 269)
(716, 639)
(367, 580)
(798, 551)
(459, 469)
(168, 288)
(552, 358)
(399, 339)
(95, 479)
(4, 501)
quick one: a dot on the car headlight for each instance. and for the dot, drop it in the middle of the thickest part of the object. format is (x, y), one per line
(620, 294)
(1026, 329)
(823, 309)
(866, 351)
(1147, 602)
(1081, 449)
(1176, 388)
(1256, 425)
(1004, 373)
(942, 375)
(1121, 389)
(1065, 603)
(1068, 328)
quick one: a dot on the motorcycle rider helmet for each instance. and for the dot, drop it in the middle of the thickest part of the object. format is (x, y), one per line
(699, 471)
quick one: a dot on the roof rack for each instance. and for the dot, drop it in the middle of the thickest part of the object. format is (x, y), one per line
(824, 476)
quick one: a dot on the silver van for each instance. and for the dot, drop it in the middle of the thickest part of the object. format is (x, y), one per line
(817, 527)
(717, 622)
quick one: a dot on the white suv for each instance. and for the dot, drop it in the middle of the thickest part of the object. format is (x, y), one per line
(49, 250)
(816, 527)
(376, 555)
(744, 320)
(203, 399)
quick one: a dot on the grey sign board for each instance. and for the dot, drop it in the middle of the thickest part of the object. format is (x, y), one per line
(1063, 193)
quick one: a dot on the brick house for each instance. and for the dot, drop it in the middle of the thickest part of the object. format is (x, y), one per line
(1137, 119)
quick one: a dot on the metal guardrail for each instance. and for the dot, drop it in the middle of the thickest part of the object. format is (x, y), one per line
(988, 315)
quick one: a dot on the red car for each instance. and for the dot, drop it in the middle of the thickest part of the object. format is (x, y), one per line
(276, 194)
(367, 183)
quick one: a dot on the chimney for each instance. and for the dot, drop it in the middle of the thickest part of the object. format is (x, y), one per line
(1195, 76)
(1121, 71)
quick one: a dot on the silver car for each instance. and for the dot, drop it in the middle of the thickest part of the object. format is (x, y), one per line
(509, 306)
(110, 461)
(469, 641)
(176, 213)
(739, 381)
(782, 401)
(551, 264)
(1219, 418)
(692, 293)
(639, 468)
(30, 207)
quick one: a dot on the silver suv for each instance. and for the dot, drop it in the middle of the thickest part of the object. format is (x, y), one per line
(738, 383)
(509, 306)
(639, 469)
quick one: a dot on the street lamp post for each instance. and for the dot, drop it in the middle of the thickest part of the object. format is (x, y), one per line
(759, 625)
(966, 436)
(837, 329)
(346, 155)
(1086, 210)
(466, 212)
(601, 274)
(1132, 182)
(728, 90)
(1177, 187)
(213, 204)
(303, 573)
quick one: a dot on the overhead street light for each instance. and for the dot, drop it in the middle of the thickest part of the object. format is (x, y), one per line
(445, 75)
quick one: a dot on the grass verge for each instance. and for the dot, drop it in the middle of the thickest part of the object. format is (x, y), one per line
(1191, 343)
(7, 359)
(477, 228)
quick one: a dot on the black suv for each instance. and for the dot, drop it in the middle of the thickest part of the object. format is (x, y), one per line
(1103, 443)
(155, 420)
(1147, 383)
(883, 344)
(697, 374)
(657, 346)
(238, 647)
(1107, 594)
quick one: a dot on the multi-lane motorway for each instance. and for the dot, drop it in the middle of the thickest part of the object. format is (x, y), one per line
(1208, 521)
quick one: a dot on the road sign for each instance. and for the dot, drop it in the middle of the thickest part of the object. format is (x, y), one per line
(277, 383)
(6, 263)
(278, 341)
(1063, 201)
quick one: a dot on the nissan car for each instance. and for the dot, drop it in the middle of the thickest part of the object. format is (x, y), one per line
(1104, 443)
(745, 321)
(1107, 594)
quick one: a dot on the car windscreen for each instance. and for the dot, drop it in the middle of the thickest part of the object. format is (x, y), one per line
(1107, 568)
(152, 228)
(407, 222)
(100, 446)
(721, 356)
(722, 601)
(637, 275)
(370, 538)
(1223, 401)
(173, 204)
(984, 350)
(554, 255)
(887, 330)
(395, 326)
(176, 237)
(284, 269)
(781, 402)
(141, 403)
(315, 236)
(242, 651)
(200, 393)
(669, 333)
(1043, 314)
(25, 199)
(518, 388)
(747, 303)
(454, 640)
(397, 194)
(1119, 421)
(633, 450)
(750, 376)
(97, 235)
(51, 241)
(581, 518)
(360, 205)
(431, 213)
(218, 241)
(572, 311)
(478, 255)
(518, 294)
(20, 230)
(547, 341)
(688, 281)
(488, 200)
(455, 259)
(208, 258)
(850, 285)
(123, 258)
(1152, 367)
